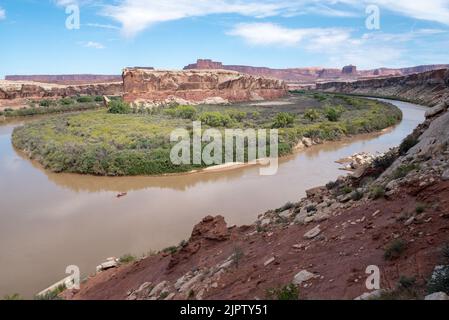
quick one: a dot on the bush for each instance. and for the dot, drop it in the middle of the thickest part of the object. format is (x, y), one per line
(85, 99)
(445, 253)
(14, 296)
(286, 206)
(377, 192)
(407, 144)
(283, 120)
(237, 115)
(216, 119)
(119, 107)
(357, 195)
(46, 103)
(98, 99)
(439, 281)
(404, 170)
(66, 101)
(333, 114)
(183, 112)
(127, 258)
(237, 256)
(385, 161)
(395, 249)
(406, 282)
(288, 292)
(420, 208)
(311, 115)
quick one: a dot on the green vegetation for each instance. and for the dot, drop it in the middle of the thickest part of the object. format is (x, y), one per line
(127, 258)
(127, 141)
(287, 292)
(408, 143)
(439, 281)
(404, 170)
(119, 107)
(420, 208)
(333, 114)
(377, 192)
(14, 296)
(52, 295)
(395, 249)
(48, 106)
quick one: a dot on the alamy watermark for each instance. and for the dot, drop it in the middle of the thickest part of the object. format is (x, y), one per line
(73, 20)
(372, 21)
(239, 146)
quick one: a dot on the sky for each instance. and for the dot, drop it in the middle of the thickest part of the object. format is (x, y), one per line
(44, 36)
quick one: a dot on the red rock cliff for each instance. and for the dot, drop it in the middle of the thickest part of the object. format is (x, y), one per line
(198, 85)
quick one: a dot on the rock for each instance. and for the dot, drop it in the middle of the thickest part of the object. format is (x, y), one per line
(303, 276)
(211, 228)
(301, 216)
(409, 221)
(143, 286)
(307, 142)
(170, 296)
(269, 261)
(437, 296)
(439, 108)
(189, 284)
(321, 216)
(110, 263)
(312, 233)
(373, 295)
(106, 101)
(157, 290)
(198, 86)
(265, 222)
(445, 175)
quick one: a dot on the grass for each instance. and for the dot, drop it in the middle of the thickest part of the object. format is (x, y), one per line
(137, 141)
(395, 249)
(127, 258)
(377, 192)
(47, 106)
(14, 296)
(287, 292)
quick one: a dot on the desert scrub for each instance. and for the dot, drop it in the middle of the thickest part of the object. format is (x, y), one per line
(394, 249)
(127, 258)
(51, 106)
(120, 142)
(287, 292)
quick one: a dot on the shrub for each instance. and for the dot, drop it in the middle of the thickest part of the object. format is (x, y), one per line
(237, 256)
(385, 161)
(216, 119)
(52, 295)
(312, 115)
(377, 192)
(404, 170)
(46, 103)
(119, 107)
(14, 296)
(183, 112)
(333, 114)
(98, 99)
(66, 101)
(407, 144)
(420, 208)
(237, 115)
(357, 195)
(445, 253)
(171, 250)
(288, 292)
(127, 258)
(286, 206)
(395, 249)
(406, 282)
(283, 120)
(439, 281)
(85, 99)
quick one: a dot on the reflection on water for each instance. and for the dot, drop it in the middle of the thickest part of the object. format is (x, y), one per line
(49, 221)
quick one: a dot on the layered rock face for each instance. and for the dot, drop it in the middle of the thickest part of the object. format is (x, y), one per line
(429, 88)
(198, 86)
(66, 78)
(11, 90)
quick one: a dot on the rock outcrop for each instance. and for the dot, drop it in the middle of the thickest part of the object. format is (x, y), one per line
(430, 88)
(197, 86)
(10, 90)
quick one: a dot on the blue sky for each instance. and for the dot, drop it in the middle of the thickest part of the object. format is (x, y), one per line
(172, 33)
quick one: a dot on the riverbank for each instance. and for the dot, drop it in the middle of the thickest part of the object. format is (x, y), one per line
(391, 215)
(100, 143)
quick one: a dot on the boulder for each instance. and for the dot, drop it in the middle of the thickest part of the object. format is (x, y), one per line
(439, 108)
(445, 175)
(303, 276)
(373, 295)
(312, 233)
(437, 296)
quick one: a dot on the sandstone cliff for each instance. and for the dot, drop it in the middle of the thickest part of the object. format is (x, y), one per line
(198, 86)
(429, 88)
(11, 90)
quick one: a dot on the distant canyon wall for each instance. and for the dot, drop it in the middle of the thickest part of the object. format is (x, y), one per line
(429, 88)
(312, 74)
(198, 86)
(11, 90)
(66, 78)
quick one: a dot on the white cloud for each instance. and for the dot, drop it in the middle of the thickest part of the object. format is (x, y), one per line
(93, 44)
(273, 34)
(2, 13)
(137, 15)
(102, 26)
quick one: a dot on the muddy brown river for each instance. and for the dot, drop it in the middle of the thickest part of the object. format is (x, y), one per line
(49, 221)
